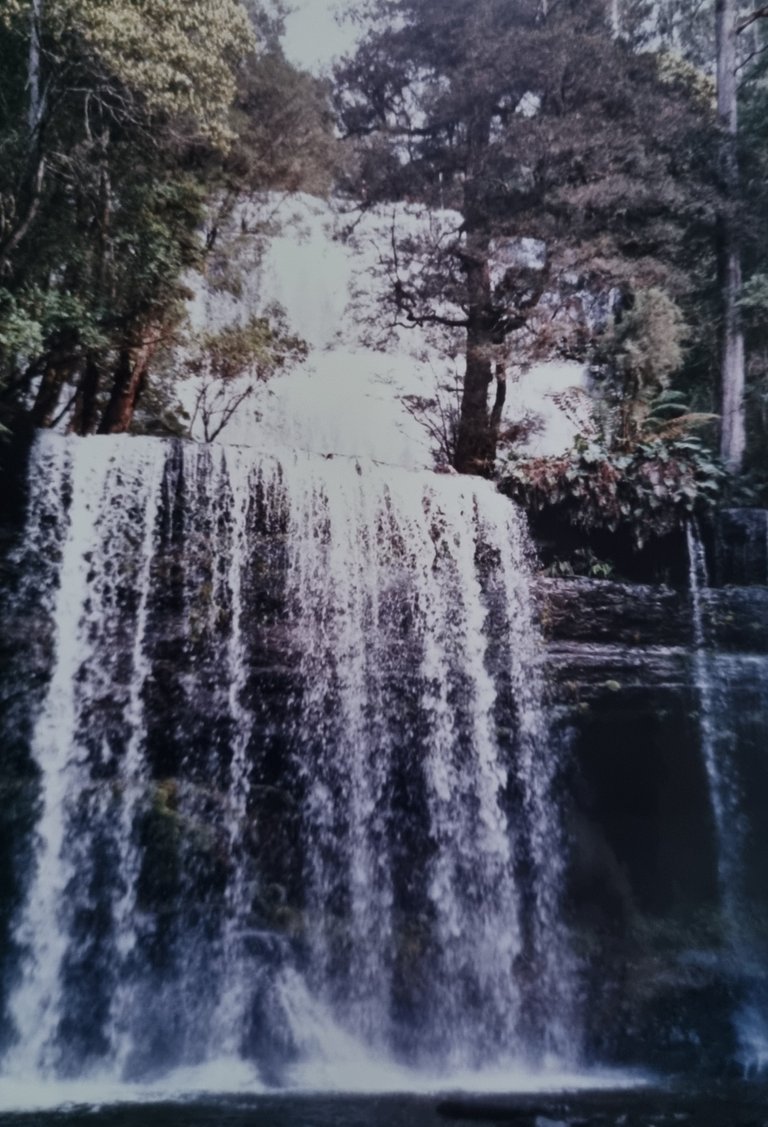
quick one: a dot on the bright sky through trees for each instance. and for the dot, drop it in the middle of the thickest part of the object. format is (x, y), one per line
(313, 35)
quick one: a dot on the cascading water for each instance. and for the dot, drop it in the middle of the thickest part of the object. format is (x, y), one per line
(297, 796)
(720, 679)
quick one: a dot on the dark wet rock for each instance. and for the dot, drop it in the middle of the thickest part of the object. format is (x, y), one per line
(649, 619)
(741, 547)
(727, 1106)
(602, 612)
(642, 880)
(736, 619)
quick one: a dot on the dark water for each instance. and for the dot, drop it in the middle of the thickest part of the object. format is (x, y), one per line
(278, 1111)
(732, 1104)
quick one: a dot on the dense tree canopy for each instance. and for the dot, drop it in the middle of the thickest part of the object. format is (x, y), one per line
(124, 127)
(177, 55)
(529, 123)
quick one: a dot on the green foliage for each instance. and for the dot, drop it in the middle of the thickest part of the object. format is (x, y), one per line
(285, 137)
(634, 361)
(754, 302)
(645, 471)
(20, 331)
(124, 126)
(651, 490)
(646, 342)
(750, 490)
(229, 362)
(581, 562)
(674, 70)
(752, 217)
(177, 57)
(31, 317)
(260, 346)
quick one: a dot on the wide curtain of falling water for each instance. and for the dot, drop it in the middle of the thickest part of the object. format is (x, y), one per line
(290, 784)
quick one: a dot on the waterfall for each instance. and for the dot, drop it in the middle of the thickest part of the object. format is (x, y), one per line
(724, 806)
(297, 797)
(716, 676)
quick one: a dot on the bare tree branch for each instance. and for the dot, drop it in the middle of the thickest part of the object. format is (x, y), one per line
(758, 14)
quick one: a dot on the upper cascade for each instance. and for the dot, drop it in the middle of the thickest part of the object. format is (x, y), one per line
(325, 268)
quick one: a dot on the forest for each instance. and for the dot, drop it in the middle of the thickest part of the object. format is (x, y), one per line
(625, 140)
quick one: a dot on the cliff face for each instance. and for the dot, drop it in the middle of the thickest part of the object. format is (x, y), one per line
(675, 956)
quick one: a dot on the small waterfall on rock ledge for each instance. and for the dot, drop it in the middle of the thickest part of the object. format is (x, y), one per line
(297, 802)
(724, 684)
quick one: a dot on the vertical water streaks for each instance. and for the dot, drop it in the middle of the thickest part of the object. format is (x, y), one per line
(391, 614)
(341, 743)
(557, 1000)
(474, 898)
(101, 596)
(296, 781)
(231, 1009)
(717, 724)
(714, 737)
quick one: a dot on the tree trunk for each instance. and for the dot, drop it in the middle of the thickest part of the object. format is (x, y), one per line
(26, 207)
(58, 370)
(28, 195)
(475, 442)
(35, 104)
(732, 427)
(129, 380)
(85, 416)
(498, 403)
(475, 448)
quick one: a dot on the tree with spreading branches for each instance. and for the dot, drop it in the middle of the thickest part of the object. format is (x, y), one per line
(525, 121)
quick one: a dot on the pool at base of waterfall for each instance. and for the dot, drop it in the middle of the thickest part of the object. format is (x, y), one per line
(364, 1076)
(733, 1103)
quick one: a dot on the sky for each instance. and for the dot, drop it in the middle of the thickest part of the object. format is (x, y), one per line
(313, 37)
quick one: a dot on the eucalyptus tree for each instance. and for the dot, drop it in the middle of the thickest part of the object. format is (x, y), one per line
(722, 37)
(732, 362)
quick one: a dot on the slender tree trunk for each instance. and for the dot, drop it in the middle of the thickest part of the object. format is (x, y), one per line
(498, 403)
(35, 104)
(27, 205)
(475, 443)
(47, 397)
(28, 195)
(85, 416)
(732, 378)
(130, 377)
(105, 217)
(475, 448)
(57, 371)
